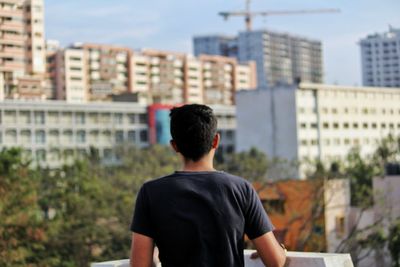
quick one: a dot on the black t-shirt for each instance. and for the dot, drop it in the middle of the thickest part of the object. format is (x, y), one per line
(200, 218)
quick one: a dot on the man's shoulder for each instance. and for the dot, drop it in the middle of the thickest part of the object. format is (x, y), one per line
(219, 177)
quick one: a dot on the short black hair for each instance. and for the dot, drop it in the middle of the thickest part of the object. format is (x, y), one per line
(193, 128)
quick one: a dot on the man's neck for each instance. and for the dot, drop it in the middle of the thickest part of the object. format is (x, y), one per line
(204, 164)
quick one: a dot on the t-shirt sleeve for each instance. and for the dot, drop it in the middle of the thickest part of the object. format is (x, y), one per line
(257, 221)
(141, 221)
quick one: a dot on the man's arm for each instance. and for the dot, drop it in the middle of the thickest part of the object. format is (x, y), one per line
(268, 248)
(141, 251)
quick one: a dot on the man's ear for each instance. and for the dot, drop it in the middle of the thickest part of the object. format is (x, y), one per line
(174, 146)
(215, 142)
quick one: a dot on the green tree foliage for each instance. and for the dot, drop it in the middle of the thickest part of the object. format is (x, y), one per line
(22, 233)
(77, 214)
(394, 243)
(251, 165)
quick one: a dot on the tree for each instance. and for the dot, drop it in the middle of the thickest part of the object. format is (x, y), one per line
(251, 165)
(394, 243)
(22, 232)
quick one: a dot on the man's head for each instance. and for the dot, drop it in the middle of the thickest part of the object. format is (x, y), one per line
(193, 130)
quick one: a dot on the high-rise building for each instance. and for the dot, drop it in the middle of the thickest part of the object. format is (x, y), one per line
(316, 121)
(220, 45)
(22, 46)
(380, 59)
(108, 70)
(171, 77)
(95, 72)
(280, 57)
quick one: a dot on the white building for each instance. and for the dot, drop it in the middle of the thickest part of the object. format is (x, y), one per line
(380, 58)
(280, 57)
(52, 132)
(316, 121)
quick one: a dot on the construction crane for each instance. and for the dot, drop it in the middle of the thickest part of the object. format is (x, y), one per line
(249, 15)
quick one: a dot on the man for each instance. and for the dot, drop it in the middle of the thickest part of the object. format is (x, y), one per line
(198, 216)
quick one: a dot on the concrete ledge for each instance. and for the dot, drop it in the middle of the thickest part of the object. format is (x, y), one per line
(294, 259)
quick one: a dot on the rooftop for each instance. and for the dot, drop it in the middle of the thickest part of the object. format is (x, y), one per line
(294, 259)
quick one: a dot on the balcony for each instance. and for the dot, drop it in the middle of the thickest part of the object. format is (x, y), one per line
(294, 259)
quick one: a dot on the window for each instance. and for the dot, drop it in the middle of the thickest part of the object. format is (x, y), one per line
(303, 126)
(119, 137)
(132, 137)
(143, 136)
(229, 149)
(80, 118)
(25, 117)
(81, 137)
(118, 118)
(40, 137)
(229, 134)
(339, 226)
(326, 125)
(142, 118)
(314, 142)
(39, 117)
(75, 58)
(132, 118)
(76, 78)
(41, 155)
(276, 206)
(346, 125)
(313, 125)
(355, 125)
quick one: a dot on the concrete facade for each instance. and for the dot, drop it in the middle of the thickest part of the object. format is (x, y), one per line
(380, 59)
(52, 132)
(315, 121)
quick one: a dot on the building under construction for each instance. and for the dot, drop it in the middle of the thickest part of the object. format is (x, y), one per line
(280, 57)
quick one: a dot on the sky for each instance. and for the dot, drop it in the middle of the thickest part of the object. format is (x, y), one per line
(171, 24)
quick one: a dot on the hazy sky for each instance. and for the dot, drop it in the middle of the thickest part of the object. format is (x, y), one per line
(170, 25)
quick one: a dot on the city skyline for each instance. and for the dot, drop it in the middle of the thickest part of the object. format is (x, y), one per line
(139, 25)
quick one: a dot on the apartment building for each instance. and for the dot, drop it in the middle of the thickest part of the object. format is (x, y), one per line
(280, 57)
(316, 121)
(22, 49)
(89, 72)
(52, 132)
(169, 77)
(108, 70)
(380, 59)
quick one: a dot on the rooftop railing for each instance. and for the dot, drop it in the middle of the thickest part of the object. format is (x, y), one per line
(294, 259)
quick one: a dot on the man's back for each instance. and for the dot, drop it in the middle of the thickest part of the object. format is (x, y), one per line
(199, 218)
